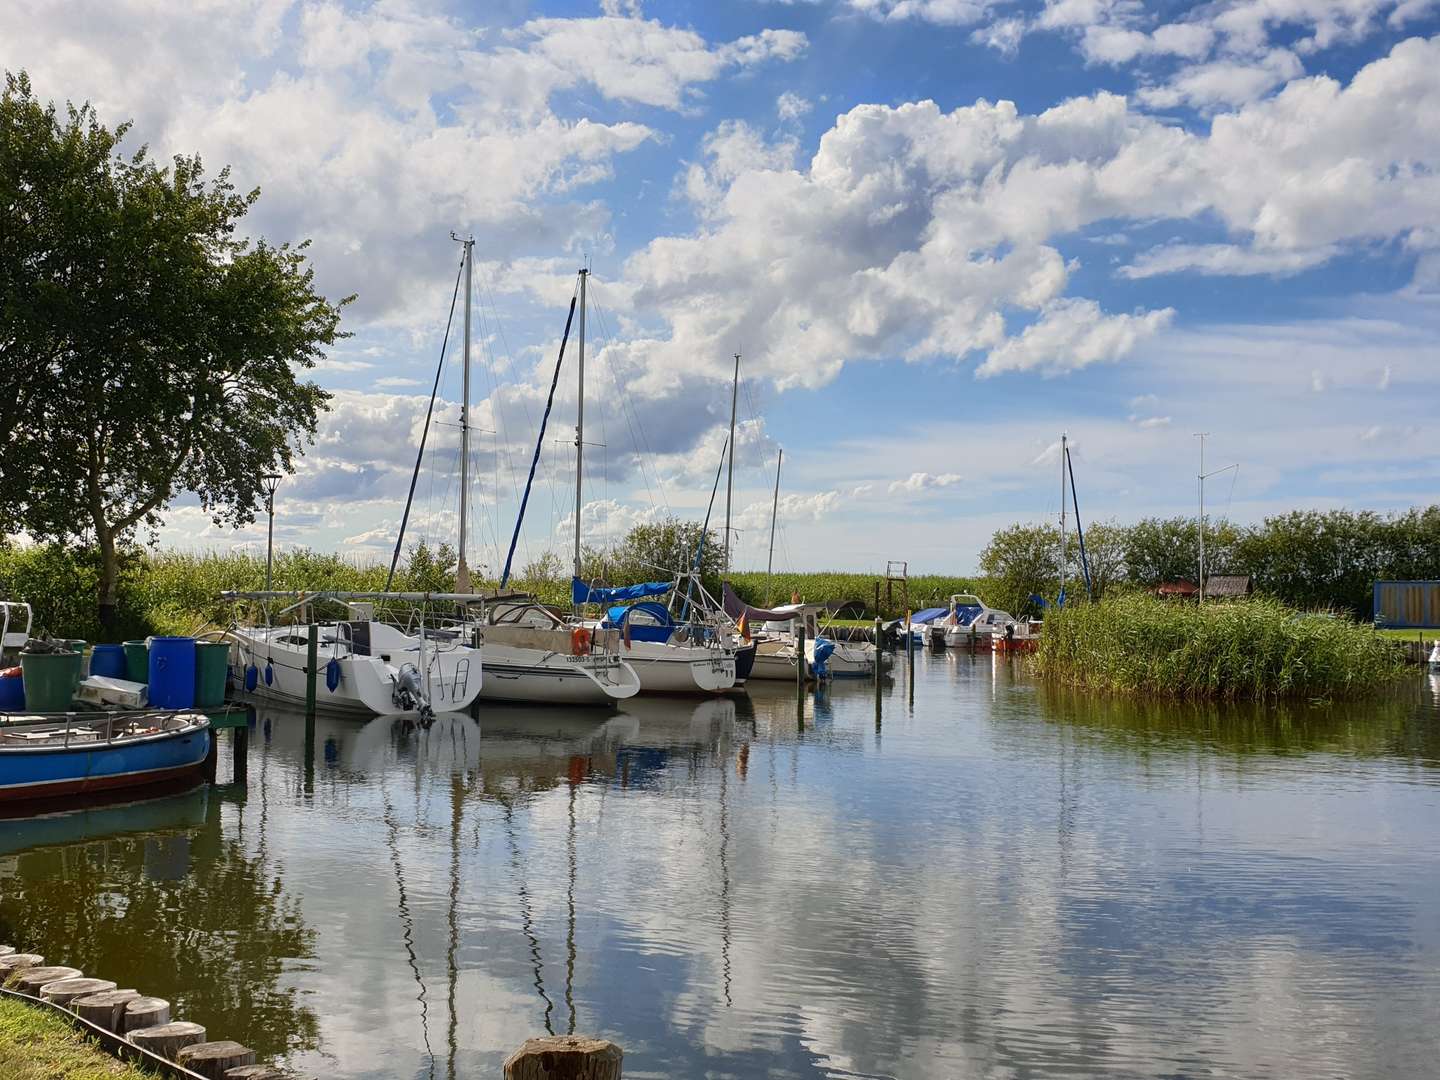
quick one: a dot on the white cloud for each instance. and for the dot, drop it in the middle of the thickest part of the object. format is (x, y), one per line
(393, 382)
(1002, 35)
(1224, 260)
(1153, 422)
(923, 481)
(1072, 334)
(791, 106)
(942, 12)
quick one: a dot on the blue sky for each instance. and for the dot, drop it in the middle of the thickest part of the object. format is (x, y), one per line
(940, 232)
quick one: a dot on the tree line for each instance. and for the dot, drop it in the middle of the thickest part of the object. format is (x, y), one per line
(1311, 559)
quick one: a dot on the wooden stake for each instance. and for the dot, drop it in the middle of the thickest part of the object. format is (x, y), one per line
(67, 990)
(565, 1057)
(167, 1040)
(145, 1012)
(106, 1010)
(17, 960)
(215, 1059)
(312, 661)
(257, 1072)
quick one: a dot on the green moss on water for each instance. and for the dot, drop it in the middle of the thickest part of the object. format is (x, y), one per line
(36, 1045)
(1255, 650)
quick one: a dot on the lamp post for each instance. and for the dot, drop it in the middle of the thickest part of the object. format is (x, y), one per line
(270, 481)
(1202, 476)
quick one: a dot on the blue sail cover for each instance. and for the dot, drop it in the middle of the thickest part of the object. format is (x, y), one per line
(581, 593)
(660, 630)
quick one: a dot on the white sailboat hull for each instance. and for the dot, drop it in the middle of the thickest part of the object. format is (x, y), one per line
(451, 676)
(775, 660)
(680, 669)
(537, 676)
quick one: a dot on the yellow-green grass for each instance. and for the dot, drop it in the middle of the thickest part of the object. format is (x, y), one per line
(1431, 633)
(1255, 649)
(36, 1045)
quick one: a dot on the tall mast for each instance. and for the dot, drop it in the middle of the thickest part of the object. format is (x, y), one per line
(730, 476)
(462, 571)
(580, 421)
(774, 513)
(1064, 449)
(1200, 481)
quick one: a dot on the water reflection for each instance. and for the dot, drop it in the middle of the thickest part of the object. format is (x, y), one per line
(994, 879)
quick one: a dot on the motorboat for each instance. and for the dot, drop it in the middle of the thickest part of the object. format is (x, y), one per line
(47, 756)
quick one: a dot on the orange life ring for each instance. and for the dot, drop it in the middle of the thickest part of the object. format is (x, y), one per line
(580, 641)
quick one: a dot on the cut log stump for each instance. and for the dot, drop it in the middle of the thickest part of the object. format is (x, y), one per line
(106, 1010)
(29, 980)
(15, 961)
(215, 1059)
(565, 1057)
(167, 1040)
(258, 1072)
(144, 1012)
(7, 950)
(64, 991)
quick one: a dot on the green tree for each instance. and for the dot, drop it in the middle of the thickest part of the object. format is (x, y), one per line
(146, 352)
(1106, 544)
(655, 552)
(1020, 561)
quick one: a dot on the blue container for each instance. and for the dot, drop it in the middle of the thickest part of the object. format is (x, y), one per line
(108, 660)
(172, 673)
(12, 695)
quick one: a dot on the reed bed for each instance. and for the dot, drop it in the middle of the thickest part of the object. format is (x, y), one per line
(1255, 650)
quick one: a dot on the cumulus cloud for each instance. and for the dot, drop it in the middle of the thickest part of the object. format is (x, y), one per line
(923, 481)
(791, 106)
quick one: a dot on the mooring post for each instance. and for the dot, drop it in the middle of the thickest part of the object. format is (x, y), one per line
(312, 661)
(909, 658)
(212, 755)
(565, 1057)
(878, 668)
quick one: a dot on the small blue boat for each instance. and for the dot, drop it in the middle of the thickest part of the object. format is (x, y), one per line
(47, 756)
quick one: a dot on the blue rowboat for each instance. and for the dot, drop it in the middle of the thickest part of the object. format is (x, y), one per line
(45, 757)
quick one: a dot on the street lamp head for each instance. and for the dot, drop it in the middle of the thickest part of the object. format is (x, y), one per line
(270, 481)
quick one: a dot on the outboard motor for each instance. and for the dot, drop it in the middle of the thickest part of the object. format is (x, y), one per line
(409, 694)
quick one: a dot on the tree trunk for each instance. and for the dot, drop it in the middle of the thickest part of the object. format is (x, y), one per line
(109, 577)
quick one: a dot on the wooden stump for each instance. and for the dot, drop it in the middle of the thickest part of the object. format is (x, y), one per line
(6, 950)
(257, 1072)
(167, 1040)
(15, 961)
(215, 1059)
(144, 1012)
(565, 1057)
(67, 990)
(29, 980)
(106, 1010)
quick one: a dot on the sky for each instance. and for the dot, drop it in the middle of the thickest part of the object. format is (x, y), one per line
(939, 233)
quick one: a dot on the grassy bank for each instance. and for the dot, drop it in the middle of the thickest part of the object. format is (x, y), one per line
(35, 1045)
(1251, 650)
(177, 593)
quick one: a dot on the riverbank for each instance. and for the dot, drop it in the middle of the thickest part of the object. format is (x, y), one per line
(1251, 650)
(35, 1045)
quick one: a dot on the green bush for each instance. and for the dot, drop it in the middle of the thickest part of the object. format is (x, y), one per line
(1256, 649)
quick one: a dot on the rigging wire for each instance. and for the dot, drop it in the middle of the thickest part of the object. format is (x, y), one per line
(425, 431)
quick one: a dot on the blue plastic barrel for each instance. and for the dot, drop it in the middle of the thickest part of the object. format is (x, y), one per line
(12, 694)
(172, 673)
(108, 660)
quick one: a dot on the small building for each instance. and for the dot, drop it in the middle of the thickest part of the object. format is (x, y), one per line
(1177, 590)
(1228, 586)
(1407, 604)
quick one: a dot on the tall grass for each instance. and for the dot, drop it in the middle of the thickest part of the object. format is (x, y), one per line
(1256, 649)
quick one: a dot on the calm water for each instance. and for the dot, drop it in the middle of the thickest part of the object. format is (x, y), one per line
(995, 881)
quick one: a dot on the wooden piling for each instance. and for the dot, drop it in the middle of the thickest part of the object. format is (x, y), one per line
(312, 661)
(67, 990)
(800, 668)
(7, 950)
(28, 981)
(145, 1012)
(240, 754)
(215, 1059)
(167, 1040)
(14, 961)
(106, 1010)
(257, 1072)
(565, 1057)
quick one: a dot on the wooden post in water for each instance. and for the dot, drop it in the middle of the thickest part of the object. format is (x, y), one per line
(106, 1010)
(215, 1059)
(144, 1012)
(565, 1057)
(909, 659)
(65, 991)
(28, 981)
(312, 661)
(800, 666)
(167, 1040)
(879, 667)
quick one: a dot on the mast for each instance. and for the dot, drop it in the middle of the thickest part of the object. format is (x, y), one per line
(1063, 450)
(462, 571)
(1200, 481)
(580, 421)
(774, 513)
(730, 476)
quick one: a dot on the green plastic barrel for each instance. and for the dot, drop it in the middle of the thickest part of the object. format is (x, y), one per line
(212, 665)
(50, 680)
(137, 661)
